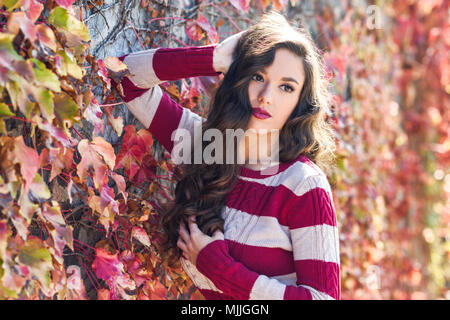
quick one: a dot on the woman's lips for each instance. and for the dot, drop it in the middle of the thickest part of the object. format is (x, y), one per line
(260, 113)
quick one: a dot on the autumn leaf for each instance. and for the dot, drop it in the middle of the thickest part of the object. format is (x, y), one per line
(115, 122)
(4, 110)
(65, 3)
(19, 21)
(28, 159)
(107, 266)
(59, 158)
(59, 134)
(93, 113)
(4, 233)
(141, 235)
(38, 259)
(67, 64)
(39, 189)
(243, 4)
(66, 110)
(157, 291)
(7, 52)
(115, 69)
(32, 8)
(97, 154)
(60, 18)
(107, 200)
(44, 76)
(193, 30)
(210, 30)
(46, 36)
(121, 184)
(134, 147)
(75, 284)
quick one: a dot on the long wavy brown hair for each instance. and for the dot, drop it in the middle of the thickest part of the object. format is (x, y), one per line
(202, 188)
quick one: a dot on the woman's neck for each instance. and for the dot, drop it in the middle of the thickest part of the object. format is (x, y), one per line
(259, 151)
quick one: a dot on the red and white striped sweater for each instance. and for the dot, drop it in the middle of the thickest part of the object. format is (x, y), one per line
(281, 235)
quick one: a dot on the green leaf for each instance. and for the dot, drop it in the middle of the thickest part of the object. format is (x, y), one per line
(45, 77)
(7, 52)
(68, 66)
(10, 4)
(35, 256)
(45, 101)
(4, 110)
(66, 109)
(38, 258)
(59, 17)
(39, 187)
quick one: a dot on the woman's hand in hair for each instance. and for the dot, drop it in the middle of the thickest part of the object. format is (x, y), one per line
(223, 53)
(192, 242)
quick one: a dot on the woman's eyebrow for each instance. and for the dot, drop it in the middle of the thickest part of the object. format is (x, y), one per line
(289, 79)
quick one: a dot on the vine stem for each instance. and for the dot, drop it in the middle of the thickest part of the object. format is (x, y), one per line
(225, 14)
(137, 36)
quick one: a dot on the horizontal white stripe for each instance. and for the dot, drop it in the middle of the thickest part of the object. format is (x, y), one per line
(140, 65)
(319, 242)
(255, 230)
(316, 294)
(197, 277)
(299, 178)
(266, 288)
(145, 106)
(289, 279)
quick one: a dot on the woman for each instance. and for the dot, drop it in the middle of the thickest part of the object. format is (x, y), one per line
(242, 233)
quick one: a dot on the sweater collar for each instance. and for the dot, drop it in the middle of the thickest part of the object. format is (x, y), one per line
(271, 170)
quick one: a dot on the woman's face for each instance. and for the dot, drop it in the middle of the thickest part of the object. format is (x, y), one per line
(276, 90)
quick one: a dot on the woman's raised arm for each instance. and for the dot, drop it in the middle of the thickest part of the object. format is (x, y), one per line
(148, 68)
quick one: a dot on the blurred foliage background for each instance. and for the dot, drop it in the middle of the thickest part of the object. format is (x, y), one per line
(388, 64)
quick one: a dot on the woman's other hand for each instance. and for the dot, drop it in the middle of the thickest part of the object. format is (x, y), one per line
(191, 243)
(223, 53)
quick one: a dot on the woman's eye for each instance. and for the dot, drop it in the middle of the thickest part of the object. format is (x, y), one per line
(256, 77)
(288, 88)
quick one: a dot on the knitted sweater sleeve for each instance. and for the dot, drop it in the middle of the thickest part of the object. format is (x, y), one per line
(148, 103)
(313, 232)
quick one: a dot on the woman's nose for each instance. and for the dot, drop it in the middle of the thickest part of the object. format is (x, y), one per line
(265, 96)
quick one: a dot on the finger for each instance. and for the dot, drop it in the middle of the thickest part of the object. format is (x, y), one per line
(181, 245)
(193, 228)
(184, 233)
(218, 235)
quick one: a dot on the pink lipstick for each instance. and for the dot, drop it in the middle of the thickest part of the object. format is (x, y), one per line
(260, 113)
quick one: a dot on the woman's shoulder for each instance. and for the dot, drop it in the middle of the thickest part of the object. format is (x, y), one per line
(304, 175)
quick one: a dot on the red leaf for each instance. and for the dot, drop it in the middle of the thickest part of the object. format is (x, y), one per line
(107, 266)
(98, 154)
(241, 4)
(193, 30)
(103, 72)
(121, 184)
(65, 3)
(103, 294)
(93, 114)
(28, 159)
(18, 20)
(141, 235)
(134, 147)
(32, 8)
(75, 283)
(205, 25)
